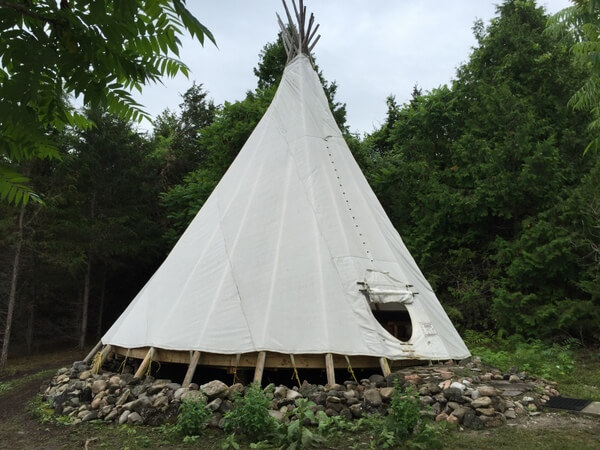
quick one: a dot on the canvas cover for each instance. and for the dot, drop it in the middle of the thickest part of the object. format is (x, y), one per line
(274, 259)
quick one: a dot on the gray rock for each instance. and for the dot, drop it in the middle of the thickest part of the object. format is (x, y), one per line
(471, 420)
(293, 395)
(376, 378)
(426, 400)
(99, 386)
(352, 401)
(85, 375)
(90, 415)
(280, 391)
(487, 391)
(346, 413)
(486, 411)
(160, 402)
(372, 397)
(386, 393)
(226, 406)
(124, 416)
(319, 398)
(510, 414)
(456, 384)
(453, 395)
(179, 392)
(350, 393)
(155, 388)
(214, 404)
(453, 405)
(192, 395)
(460, 412)
(214, 389)
(123, 398)
(134, 418)
(481, 402)
(111, 416)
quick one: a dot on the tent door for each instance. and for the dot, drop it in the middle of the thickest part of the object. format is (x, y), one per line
(389, 300)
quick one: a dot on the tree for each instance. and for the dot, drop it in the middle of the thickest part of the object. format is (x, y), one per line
(176, 136)
(580, 25)
(475, 177)
(100, 50)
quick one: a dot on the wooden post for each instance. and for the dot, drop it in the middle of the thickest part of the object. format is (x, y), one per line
(90, 355)
(385, 367)
(260, 367)
(329, 368)
(191, 369)
(147, 360)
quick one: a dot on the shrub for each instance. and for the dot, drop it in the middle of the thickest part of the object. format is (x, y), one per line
(403, 426)
(250, 415)
(193, 417)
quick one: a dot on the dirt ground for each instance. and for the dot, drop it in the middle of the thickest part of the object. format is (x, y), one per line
(19, 429)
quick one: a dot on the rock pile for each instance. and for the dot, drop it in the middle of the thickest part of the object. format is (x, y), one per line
(468, 394)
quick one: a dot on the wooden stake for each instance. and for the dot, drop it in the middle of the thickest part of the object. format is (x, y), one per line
(260, 367)
(329, 368)
(147, 360)
(385, 367)
(90, 355)
(191, 369)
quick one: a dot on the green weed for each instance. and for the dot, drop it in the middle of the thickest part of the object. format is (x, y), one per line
(250, 415)
(193, 417)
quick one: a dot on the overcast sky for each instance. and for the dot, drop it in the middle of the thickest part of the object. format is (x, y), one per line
(371, 48)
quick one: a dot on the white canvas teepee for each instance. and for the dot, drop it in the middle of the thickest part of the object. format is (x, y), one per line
(290, 254)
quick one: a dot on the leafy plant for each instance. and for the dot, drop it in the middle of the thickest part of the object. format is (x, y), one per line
(193, 416)
(404, 412)
(250, 415)
(403, 425)
(230, 442)
(535, 357)
(298, 434)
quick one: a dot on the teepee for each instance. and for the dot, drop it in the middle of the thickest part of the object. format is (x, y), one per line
(292, 261)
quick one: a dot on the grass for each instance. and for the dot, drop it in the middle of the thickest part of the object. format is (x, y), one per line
(509, 437)
(584, 380)
(7, 386)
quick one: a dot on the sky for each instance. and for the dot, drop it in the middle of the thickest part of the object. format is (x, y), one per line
(370, 48)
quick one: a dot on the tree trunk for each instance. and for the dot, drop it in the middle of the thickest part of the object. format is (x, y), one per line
(30, 327)
(13, 291)
(86, 284)
(85, 304)
(101, 309)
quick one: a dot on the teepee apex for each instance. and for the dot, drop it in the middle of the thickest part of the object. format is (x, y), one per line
(298, 39)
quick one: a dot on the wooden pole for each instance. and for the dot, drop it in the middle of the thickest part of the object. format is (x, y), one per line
(90, 355)
(191, 369)
(385, 367)
(329, 368)
(147, 360)
(260, 367)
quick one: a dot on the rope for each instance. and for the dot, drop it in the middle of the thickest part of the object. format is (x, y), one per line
(237, 362)
(350, 368)
(97, 362)
(295, 374)
(149, 370)
(122, 365)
